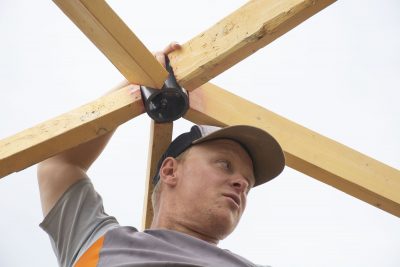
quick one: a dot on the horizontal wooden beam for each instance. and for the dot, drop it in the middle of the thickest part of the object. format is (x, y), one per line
(238, 36)
(160, 138)
(109, 33)
(306, 151)
(80, 125)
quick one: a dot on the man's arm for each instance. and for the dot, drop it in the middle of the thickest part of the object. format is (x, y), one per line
(58, 173)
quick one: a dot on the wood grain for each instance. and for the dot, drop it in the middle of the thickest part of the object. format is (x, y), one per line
(237, 36)
(160, 138)
(116, 41)
(80, 125)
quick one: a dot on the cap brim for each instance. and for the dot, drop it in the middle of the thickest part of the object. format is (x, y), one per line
(265, 151)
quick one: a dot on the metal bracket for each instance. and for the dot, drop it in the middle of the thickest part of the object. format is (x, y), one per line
(168, 103)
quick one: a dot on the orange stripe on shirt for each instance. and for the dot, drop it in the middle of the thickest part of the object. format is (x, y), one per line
(91, 257)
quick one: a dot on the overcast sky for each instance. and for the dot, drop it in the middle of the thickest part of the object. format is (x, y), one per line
(337, 74)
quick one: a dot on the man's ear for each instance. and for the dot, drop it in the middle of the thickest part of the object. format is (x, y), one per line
(168, 171)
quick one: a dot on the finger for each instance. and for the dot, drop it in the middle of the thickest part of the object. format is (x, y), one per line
(133, 89)
(160, 57)
(171, 47)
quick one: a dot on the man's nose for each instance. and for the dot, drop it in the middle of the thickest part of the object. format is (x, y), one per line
(240, 183)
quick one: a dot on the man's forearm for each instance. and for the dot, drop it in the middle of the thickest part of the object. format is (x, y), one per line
(85, 154)
(58, 173)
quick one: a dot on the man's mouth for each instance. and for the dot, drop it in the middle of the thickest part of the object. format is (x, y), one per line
(234, 197)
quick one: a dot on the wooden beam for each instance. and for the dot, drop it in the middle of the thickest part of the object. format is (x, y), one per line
(114, 39)
(80, 125)
(160, 138)
(109, 33)
(237, 36)
(306, 151)
(234, 38)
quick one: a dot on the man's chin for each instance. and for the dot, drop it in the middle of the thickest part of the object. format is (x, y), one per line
(224, 224)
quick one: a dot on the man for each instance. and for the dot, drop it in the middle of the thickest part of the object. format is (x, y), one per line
(200, 193)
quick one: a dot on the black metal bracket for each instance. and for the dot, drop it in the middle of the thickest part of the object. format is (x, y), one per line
(168, 103)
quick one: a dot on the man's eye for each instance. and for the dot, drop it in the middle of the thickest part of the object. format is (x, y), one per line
(224, 164)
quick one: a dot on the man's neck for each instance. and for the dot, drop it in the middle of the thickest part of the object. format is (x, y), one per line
(181, 227)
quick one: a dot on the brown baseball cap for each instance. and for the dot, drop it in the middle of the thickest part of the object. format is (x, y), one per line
(265, 152)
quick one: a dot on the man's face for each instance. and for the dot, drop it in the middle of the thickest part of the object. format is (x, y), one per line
(214, 179)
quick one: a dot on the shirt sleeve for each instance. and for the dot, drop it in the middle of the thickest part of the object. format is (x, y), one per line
(76, 221)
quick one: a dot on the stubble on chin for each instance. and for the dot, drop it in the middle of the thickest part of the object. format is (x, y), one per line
(221, 220)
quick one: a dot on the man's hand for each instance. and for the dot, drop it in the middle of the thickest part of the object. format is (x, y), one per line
(160, 56)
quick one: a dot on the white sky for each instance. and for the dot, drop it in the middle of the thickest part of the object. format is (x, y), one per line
(337, 74)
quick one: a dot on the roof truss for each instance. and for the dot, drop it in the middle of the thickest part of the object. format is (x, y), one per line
(198, 62)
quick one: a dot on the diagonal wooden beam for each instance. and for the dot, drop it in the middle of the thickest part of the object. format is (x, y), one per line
(237, 36)
(306, 151)
(80, 125)
(160, 138)
(109, 33)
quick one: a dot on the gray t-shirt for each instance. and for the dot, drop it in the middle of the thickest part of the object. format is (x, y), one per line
(78, 222)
